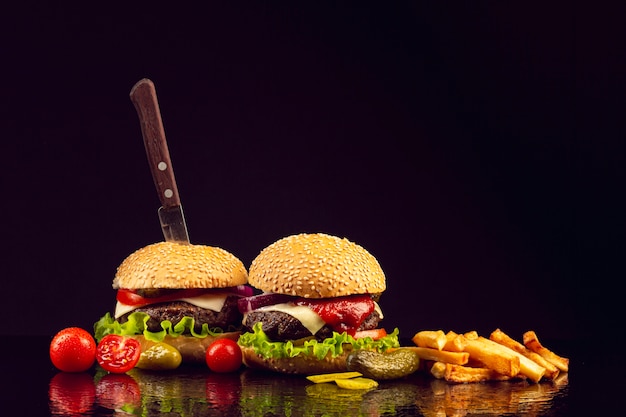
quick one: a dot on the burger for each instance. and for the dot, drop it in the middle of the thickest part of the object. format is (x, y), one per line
(318, 303)
(180, 294)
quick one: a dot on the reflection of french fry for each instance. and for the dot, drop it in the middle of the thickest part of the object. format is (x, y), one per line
(463, 374)
(430, 354)
(515, 397)
(551, 371)
(493, 356)
(435, 339)
(561, 380)
(532, 342)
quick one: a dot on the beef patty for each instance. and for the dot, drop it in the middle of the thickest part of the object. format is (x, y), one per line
(280, 327)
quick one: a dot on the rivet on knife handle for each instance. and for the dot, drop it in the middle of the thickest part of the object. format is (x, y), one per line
(143, 96)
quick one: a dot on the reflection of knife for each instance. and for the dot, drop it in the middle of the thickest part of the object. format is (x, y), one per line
(143, 96)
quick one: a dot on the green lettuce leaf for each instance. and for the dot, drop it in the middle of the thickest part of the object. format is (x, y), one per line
(136, 325)
(334, 345)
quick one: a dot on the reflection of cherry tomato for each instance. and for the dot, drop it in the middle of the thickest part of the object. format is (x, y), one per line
(223, 389)
(223, 355)
(73, 350)
(71, 393)
(118, 391)
(118, 354)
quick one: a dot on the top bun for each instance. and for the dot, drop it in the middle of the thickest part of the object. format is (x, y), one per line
(176, 265)
(316, 266)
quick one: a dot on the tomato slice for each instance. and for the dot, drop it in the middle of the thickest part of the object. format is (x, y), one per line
(118, 354)
(375, 334)
(131, 298)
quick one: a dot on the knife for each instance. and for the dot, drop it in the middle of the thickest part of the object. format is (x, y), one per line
(143, 96)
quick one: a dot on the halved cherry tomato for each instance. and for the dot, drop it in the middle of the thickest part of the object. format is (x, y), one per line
(118, 354)
(73, 350)
(375, 334)
(224, 355)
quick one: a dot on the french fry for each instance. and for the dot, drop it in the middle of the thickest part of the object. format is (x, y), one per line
(472, 335)
(493, 356)
(463, 374)
(531, 341)
(469, 357)
(454, 342)
(551, 371)
(430, 354)
(435, 339)
(438, 370)
(528, 368)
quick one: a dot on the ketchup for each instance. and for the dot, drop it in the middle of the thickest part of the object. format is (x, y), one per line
(343, 314)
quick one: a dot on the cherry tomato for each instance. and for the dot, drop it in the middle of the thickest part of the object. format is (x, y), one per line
(118, 354)
(73, 350)
(71, 394)
(224, 355)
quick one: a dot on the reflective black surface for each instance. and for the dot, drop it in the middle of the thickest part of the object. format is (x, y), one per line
(595, 384)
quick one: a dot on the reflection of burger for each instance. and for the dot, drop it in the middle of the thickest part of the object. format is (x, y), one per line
(319, 303)
(183, 295)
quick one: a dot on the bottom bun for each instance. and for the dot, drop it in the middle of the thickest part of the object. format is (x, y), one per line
(192, 349)
(300, 364)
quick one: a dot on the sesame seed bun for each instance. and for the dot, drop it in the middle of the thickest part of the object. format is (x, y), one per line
(175, 265)
(316, 266)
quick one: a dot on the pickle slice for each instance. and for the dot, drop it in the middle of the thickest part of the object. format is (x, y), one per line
(321, 378)
(356, 383)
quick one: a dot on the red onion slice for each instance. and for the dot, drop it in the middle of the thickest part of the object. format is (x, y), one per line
(248, 304)
(243, 290)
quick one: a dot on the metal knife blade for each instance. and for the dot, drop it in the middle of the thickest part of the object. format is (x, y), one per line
(143, 95)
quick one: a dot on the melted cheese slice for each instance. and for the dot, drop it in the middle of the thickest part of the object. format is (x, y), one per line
(309, 318)
(212, 301)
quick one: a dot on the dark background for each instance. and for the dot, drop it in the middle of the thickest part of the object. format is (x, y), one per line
(477, 151)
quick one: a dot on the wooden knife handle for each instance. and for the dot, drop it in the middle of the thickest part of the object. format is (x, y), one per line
(143, 95)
